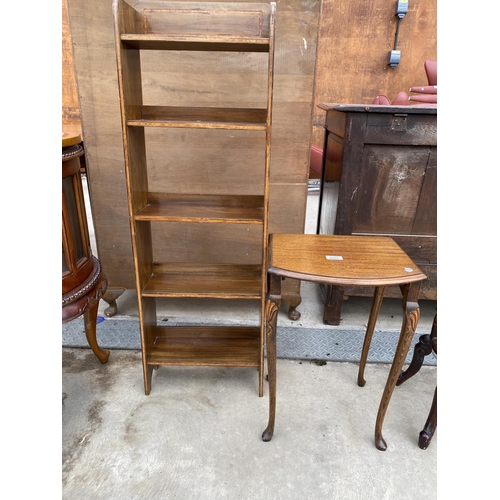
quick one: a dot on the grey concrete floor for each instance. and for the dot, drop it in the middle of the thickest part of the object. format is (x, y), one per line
(198, 434)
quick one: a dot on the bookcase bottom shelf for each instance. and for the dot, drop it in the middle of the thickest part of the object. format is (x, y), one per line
(205, 346)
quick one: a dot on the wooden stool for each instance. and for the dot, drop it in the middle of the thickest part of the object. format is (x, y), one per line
(344, 261)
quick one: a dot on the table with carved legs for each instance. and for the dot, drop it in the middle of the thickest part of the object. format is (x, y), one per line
(344, 261)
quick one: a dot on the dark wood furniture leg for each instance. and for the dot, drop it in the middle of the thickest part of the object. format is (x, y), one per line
(333, 305)
(272, 306)
(427, 432)
(110, 298)
(376, 303)
(410, 320)
(426, 344)
(293, 301)
(423, 348)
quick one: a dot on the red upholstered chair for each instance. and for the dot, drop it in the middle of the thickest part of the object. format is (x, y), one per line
(400, 100)
(316, 159)
(431, 69)
(426, 94)
(316, 163)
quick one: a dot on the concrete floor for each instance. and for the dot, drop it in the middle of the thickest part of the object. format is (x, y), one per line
(198, 434)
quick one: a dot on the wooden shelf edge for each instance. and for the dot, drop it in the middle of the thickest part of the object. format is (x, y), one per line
(201, 117)
(192, 124)
(196, 208)
(157, 41)
(214, 281)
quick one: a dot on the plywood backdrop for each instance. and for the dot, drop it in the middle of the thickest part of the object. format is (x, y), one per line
(326, 51)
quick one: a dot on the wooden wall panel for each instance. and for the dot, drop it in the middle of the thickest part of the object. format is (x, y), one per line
(355, 37)
(231, 161)
(70, 105)
(95, 63)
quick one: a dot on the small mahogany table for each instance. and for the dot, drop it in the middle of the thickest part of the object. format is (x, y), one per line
(343, 261)
(83, 281)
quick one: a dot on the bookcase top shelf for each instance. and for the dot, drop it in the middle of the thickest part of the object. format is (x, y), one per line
(240, 27)
(195, 43)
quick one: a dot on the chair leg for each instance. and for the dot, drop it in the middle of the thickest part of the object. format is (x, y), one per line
(422, 348)
(430, 425)
(425, 345)
(90, 322)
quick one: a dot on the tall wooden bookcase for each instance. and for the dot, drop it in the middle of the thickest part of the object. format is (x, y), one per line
(237, 28)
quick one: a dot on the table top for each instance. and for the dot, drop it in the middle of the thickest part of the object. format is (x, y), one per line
(71, 135)
(341, 260)
(426, 109)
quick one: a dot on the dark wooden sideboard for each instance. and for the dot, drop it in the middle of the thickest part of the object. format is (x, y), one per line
(379, 177)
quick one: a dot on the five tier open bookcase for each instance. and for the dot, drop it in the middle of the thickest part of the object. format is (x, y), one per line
(237, 28)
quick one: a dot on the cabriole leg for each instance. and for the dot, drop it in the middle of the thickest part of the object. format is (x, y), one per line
(376, 303)
(410, 321)
(90, 320)
(272, 306)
